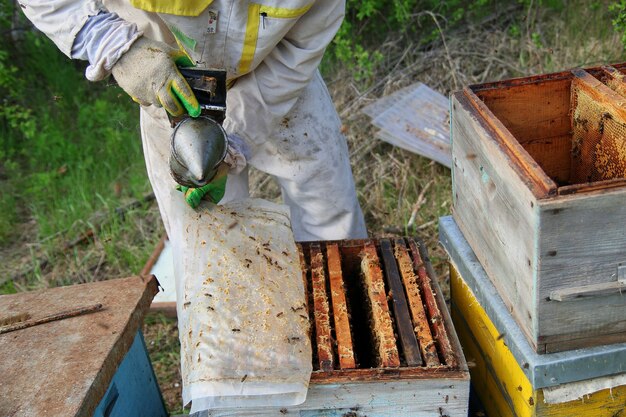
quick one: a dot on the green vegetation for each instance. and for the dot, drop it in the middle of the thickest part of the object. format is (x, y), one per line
(66, 145)
(619, 21)
(370, 24)
(371, 27)
(70, 154)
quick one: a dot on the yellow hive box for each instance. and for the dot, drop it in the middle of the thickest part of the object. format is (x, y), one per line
(508, 376)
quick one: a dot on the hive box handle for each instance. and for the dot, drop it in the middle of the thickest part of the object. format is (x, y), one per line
(594, 290)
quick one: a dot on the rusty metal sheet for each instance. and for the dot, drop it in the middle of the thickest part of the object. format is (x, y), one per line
(420, 320)
(63, 368)
(382, 327)
(345, 351)
(321, 310)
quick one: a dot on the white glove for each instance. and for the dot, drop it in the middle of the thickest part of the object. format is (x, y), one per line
(148, 73)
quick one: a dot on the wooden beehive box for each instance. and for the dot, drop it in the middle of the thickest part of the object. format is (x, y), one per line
(539, 184)
(508, 376)
(383, 342)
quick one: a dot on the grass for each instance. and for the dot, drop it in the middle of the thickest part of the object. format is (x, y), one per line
(75, 156)
(71, 159)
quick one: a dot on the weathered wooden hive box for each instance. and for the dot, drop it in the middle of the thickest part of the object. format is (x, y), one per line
(86, 365)
(539, 184)
(383, 342)
(509, 377)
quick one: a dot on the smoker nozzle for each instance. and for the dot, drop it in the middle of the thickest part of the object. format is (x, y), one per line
(198, 146)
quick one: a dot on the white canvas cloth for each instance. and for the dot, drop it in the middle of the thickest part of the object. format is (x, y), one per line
(241, 306)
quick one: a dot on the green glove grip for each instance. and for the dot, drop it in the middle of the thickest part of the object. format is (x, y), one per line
(190, 103)
(214, 192)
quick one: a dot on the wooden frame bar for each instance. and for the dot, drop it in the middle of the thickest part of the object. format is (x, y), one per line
(345, 350)
(381, 320)
(404, 325)
(321, 310)
(614, 79)
(422, 328)
(436, 317)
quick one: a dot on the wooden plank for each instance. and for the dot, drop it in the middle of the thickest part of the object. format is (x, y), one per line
(404, 325)
(422, 329)
(576, 248)
(569, 341)
(533, 111)
(615, 80)
(572, 252)
(308, 294)
(305, 269)
(554, 155)
(586, 291)
(592, 186)
(435, 314)
(345, 350)
(427, 397)
(321, 310)
(340, 376)
(86, 350)
(382, 327)
(495, 209)
(521, 162)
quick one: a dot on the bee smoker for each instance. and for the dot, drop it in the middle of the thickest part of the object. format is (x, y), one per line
(199, 145)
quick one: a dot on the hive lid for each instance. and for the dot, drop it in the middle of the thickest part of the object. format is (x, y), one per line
(63, 368)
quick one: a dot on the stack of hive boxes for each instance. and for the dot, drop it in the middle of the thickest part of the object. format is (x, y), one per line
(537, 241)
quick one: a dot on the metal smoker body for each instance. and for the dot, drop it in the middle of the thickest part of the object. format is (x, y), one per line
(199, 145)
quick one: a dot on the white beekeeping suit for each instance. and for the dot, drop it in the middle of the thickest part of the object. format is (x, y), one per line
(277, 103)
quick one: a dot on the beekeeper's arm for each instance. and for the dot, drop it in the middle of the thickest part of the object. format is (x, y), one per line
(270, 91)
(145, 69)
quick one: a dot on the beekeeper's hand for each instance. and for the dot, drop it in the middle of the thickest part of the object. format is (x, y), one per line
(234, 162)
(213, 191)
(148, 73)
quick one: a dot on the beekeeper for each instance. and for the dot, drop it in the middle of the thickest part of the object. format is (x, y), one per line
(280, 117)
